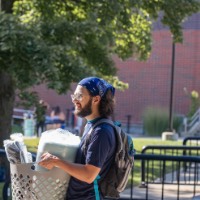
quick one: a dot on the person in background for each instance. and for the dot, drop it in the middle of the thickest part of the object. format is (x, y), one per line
(79, 126)
(57, 117)
(40, 115)
(93, 100)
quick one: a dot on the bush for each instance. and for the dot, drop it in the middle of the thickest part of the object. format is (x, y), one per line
(156, 121)
(17, 128)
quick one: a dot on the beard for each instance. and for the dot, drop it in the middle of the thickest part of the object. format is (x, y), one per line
(86, 110)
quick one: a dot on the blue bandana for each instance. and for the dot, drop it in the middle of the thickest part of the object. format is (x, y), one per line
(97, 86)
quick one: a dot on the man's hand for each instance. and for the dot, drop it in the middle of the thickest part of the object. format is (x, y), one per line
(86, 173)
(48, 161)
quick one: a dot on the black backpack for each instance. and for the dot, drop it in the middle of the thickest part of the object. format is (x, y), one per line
(117, 177)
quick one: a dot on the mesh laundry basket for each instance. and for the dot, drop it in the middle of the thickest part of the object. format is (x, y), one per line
(28, 184)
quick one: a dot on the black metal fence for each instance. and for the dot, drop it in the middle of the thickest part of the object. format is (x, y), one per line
(166, 170)
(169, 165)
(191, 141)
(168, 150)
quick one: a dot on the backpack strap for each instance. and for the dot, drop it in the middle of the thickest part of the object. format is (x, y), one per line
(117, 131)
(86, 140)
(96, 188)
(87, 137)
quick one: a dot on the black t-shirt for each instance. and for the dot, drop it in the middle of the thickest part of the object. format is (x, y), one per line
(100, 153)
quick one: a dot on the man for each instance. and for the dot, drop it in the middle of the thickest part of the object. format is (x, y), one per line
(93, 99)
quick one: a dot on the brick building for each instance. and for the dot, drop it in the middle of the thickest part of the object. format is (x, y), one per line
(149, 81)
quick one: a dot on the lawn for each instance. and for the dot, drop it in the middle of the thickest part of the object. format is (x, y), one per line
(32, 144)
(139, 143)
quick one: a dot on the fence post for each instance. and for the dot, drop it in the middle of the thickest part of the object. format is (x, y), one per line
(143, 184)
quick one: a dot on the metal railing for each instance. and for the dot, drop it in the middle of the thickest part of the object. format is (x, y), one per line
(170, 151)
(192, 141)
(193, 126)
(159, 175)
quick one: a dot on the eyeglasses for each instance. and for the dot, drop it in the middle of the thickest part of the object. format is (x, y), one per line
(77, 97)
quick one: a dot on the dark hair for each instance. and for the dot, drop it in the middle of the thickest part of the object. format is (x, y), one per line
(107, 104)
(57, 110)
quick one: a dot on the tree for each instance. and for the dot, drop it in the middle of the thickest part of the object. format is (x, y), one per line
(60, 42)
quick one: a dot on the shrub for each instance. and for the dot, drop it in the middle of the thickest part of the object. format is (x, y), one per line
(156, 121)
(195, 103)
(17, 128)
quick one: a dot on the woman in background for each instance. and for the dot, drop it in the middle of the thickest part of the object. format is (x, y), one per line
(58, 117)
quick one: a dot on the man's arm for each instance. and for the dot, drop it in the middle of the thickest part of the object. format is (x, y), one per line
(86, 173)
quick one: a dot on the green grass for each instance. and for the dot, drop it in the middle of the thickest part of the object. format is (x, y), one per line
(139, 143)
(32, 144)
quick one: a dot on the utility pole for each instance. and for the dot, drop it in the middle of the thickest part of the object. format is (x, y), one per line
(170, 134)
(171, 102)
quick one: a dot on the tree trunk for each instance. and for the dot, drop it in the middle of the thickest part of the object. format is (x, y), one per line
(7, 97)
(6, 5)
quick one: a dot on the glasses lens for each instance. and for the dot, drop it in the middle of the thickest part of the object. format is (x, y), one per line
(77, 97)
(73, 97)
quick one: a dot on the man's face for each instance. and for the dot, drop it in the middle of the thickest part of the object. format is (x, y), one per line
(82, 101)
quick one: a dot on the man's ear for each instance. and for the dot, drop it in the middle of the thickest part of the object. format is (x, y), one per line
(96, 99)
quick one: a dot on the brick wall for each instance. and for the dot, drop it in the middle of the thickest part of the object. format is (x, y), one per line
(149, 82)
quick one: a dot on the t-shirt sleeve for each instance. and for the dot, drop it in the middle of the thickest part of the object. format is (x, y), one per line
(99, 146)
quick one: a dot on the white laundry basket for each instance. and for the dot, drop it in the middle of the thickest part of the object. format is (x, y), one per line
(43, 184)
(28, 184)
